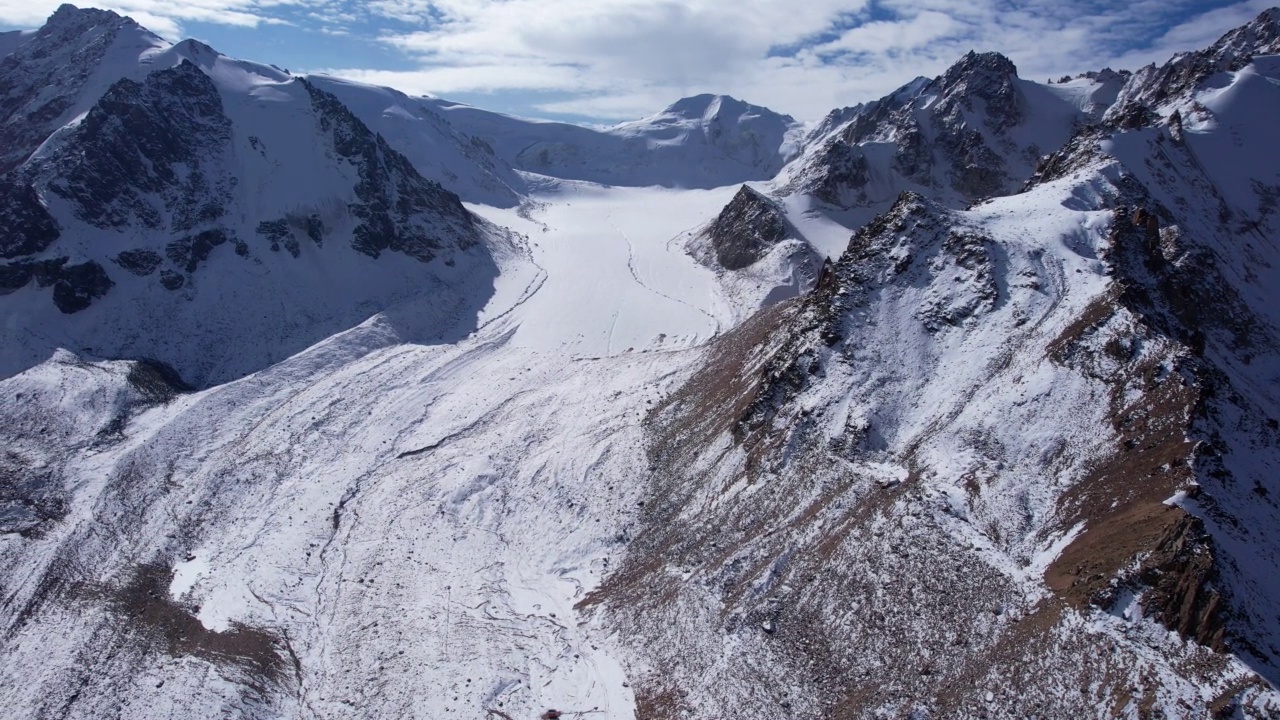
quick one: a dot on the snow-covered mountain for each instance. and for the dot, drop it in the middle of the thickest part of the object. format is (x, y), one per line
(219, 216)
(977, 131)
(464, 163)
(59, 72)
(1019, 458)
(321, 401)
(699, 142)
(54, 75)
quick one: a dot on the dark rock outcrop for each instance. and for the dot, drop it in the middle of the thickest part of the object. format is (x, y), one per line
(745, 229)
(75, 287)
(1181, 573)
(26, 227)
(162, 139)
(188, 252)
(139, 262)
(41, 81)
(396, 208)
(287, 231)
(840, 169)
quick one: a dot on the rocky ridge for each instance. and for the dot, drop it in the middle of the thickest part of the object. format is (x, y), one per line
(816, 471)
(972, 133)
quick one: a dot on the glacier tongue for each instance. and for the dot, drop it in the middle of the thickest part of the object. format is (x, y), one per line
(393, 529)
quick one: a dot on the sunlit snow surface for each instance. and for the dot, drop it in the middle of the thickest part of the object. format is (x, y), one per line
(616, 280)
(418, 520)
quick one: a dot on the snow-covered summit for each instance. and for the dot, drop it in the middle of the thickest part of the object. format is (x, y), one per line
(709, 107)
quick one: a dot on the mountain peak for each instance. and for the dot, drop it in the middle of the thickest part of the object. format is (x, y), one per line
(1260, 36)
(746, 229)
(196, 48)
(708, 107)
(68, 15)
(705, 105)
(989, 76)
(991, 64)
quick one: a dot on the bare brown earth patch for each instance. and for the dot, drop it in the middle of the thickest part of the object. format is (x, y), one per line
(159, 621)
(709, 404)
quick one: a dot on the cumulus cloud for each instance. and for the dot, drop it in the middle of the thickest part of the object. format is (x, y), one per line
(617, 59)
(624, 58)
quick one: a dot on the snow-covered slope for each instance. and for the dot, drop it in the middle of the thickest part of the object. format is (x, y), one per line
(371, 527)
(699, 142)
(218, 216)
(368, 529)
(464, 164)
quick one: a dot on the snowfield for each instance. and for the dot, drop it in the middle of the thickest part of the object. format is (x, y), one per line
(418, 520)
(615, 280)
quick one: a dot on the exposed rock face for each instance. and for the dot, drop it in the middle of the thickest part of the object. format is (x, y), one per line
(41, 82)
(139, 262)
(149, 154)
(397, 208)
(75, 286)
(987, 77)
(982, 85)
(1181, 573)
(26, 227)
(840, 168)
(936, 146)
(745, 230)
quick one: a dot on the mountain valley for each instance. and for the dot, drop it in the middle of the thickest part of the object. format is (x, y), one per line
(320, 400)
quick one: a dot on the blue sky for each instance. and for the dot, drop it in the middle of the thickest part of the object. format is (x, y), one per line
(605, 60)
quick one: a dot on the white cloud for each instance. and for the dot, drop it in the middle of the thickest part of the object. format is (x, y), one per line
(883, 36)
(625, 58)
(443, 80)
(162, 17)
